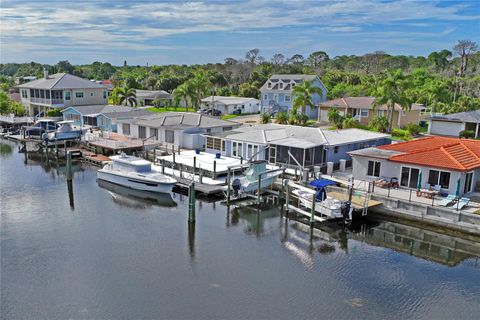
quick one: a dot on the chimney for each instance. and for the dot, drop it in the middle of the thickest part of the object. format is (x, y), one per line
(45, 73)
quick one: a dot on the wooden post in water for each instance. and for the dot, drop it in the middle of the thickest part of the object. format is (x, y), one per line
(178, 148)
(259, 188)
(163, 166)
(228, 186)
(214, 169)
(241, 160)
(191, 203)
(312, 211)
(173, 165)
(56, 148)
(69, 167)
(287, 197)
(194, 165)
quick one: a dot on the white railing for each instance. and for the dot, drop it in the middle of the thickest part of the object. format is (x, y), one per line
(47, 101)
(13, 119)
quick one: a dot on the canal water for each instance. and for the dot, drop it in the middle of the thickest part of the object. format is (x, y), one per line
(109, 253)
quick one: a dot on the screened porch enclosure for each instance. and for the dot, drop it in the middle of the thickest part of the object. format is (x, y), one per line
(308, 157)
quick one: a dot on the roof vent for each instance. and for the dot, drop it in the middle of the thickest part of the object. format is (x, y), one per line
(45, 73)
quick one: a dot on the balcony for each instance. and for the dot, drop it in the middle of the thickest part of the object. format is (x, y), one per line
(47, 102)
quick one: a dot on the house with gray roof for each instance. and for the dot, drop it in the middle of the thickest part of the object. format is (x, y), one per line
(277, 92)
(153, 98)
(453, 124)
(104, 117)
(292, 145)
(183, 129)
(61, 90)
(363, 109)
(229, 105)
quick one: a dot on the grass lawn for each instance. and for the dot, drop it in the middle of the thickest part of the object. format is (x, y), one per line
(228, 116)
(171, 109)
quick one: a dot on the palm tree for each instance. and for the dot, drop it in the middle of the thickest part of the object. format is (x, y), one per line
(303, 95)
(392, 91)
(198, 86)
(437, 90)
(181, 93)
(127, 95)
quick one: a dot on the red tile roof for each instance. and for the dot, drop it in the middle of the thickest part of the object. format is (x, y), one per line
(440, 152)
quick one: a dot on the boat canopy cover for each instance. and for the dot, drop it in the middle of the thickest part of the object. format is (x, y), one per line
(322, 183)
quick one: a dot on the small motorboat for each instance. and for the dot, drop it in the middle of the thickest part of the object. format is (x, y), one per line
(41, 127)
(249, 182)
(324, 205)
(66, 131)
(136, 173)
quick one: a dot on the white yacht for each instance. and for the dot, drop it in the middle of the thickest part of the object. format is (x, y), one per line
(136, 173)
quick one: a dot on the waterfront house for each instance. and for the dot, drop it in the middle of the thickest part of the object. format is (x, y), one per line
(277, 93)
(153, 98)
(229, 105)
(292, 145)
(183, 129)
(453, 124)
(363, 109)
(104, 117)
(60, 90)
(440, 160)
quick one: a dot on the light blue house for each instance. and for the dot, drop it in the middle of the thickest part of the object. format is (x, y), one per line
(277, 93)
(101, 116)
(292, 146)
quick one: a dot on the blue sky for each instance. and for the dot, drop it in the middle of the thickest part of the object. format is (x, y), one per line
(160, 32)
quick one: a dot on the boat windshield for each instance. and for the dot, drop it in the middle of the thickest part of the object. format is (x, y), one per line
(147, 167)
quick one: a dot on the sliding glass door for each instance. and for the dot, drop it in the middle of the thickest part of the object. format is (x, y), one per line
(409, 177)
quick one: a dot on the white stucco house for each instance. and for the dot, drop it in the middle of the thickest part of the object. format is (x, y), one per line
(228, 105)
(436, 161)
(453, 124)
(277, 93)
(184, 129)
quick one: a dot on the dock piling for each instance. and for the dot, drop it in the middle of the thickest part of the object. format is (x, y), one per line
(194, 165)
(214, 169)
(228, 186)
(191, 203)
(312, 212)
(69, 167)
(259, 189)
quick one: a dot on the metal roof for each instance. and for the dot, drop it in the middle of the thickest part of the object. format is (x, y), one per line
(179, 120)
(468, 116)
(62, 81)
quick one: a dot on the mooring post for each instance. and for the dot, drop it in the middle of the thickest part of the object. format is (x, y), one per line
(191, 203)
(241, 159)
(259, 188)
(200, 176)
(178, 149)
(228, 186)
(69, 166)
(65, 145)
(287, 197)
(163, 166)
(173, 165)
(194, 165)
(312, 211)
(410, 196)
(214, 169)
(296, 177)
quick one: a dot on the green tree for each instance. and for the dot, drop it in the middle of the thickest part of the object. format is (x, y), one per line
(198, 86)
(335, 118)
(349, 122)
(5, 103)
(265, 118)
(250, 90)
(303, 95)
(392, 91)
(379, 123)
(281, 117)
(127, 96)
(182, 93)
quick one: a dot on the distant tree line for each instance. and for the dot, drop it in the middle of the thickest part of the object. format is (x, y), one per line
(445, 81)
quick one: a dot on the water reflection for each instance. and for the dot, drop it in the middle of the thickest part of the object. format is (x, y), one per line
(136, 199)
(6, 150)
(303, 242)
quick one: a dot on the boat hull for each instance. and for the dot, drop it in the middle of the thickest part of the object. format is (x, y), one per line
(135, 183)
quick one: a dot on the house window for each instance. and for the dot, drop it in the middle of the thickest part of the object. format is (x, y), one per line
(436, 177)
(24, 94)
(154, 133)
(335, 150)
(73, 116)
(237, 149)
(404, 113)
(47, 94)
(91, 94)
(265, 97)
(79, 94)
(287, 98)
(364, 113)
(269, 85)
(373, 168)
(169, 136)
(105, 94)
(280, 85)
(382, 113)
(223, 146)
(142, 132)
(409, 177)
(126, 128)
(209, 143)
(67, 95)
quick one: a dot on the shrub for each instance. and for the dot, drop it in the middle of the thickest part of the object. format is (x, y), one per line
(349, 122)
(335, 118)
(413, 128)
(467, 134)
(379, 123)
(302, 119)
(282, 118)
(401, 134)
(54, 113)
(265, 118)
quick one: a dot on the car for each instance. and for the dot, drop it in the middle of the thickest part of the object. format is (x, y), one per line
(215, 112)
(237, 111)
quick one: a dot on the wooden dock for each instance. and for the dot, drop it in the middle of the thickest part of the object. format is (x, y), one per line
(96, 159)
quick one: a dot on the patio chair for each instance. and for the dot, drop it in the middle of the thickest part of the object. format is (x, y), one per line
(450, 199)
(462, 203)
(437, 187)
